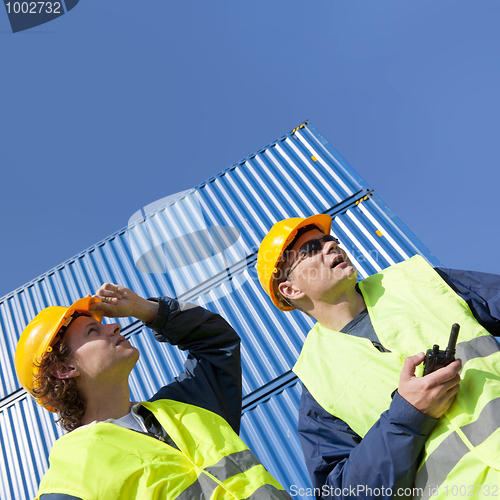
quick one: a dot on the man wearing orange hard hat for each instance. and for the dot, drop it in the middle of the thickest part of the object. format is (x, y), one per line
(182, 443)
(360, 436)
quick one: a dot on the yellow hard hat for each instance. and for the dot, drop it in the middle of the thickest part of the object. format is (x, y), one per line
(40, 333)
(275, 243)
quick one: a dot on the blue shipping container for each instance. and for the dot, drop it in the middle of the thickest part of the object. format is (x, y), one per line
(300, 174)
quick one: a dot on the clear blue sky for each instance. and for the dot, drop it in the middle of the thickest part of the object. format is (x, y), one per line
(118, 103)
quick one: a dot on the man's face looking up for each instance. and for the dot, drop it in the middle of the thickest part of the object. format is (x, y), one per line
(99, 351)
(319, 275)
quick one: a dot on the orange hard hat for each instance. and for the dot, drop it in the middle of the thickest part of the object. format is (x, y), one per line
(39, 334)
(279, 238)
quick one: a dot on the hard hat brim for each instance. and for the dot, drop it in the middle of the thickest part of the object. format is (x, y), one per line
(81, 305)
(36, 338)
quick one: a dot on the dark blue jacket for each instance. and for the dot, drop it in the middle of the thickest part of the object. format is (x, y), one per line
(340, 461)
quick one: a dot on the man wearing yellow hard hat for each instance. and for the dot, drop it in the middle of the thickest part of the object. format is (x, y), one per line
(181, 444)
(436, 434)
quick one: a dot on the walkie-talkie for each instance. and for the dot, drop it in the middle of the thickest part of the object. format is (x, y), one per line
(435, 359)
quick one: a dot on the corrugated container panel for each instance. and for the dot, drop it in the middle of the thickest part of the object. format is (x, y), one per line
(369, 252)
(271, 340)
(329, 158)
(398, 234)
(253, 196)
(8, 340)
(27, 433)
(374, 238)
(270, 431)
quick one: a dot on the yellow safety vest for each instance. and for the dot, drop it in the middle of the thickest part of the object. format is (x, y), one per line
(411, 308)
(107, 462)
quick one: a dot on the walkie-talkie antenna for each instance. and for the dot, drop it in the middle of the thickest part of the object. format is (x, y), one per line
(452, 344)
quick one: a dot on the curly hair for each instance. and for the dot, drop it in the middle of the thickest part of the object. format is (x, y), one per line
(62, 394)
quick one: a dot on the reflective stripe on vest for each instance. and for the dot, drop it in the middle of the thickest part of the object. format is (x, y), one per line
(448, 454)
(205, 487)
(107, 461)
(226, 468)
(411, 308)
(479, 347)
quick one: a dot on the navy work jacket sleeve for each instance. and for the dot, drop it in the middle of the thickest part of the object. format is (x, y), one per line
(339, 461)
(212, 371)
(481, 291)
